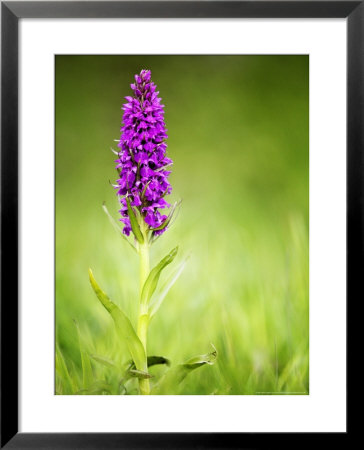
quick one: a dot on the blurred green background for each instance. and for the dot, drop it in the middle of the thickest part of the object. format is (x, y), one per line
(238, 135)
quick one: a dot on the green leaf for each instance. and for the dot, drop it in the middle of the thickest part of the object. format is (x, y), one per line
(198, 361)
(117, 227)
(139, 374)
(104, 361)
(132, 372)
(195, 362)
(176, 375)
(155, 305)
(170, 215)
(134, 223)
(168, 221)
(152, 361)
(151, 282)
(123, 326)
(87, 374)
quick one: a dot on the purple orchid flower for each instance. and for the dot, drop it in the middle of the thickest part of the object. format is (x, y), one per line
(142, 160)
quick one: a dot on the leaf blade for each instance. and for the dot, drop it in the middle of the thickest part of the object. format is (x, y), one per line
(197, 361)
(116, 226)
(151, 282)
(167, 286)
(123, 326)
(169, 218)
(152, 361)
(176, 375)
(140, 374)
(134, 223)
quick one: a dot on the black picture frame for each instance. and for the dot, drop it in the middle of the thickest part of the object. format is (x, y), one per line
(11, 12)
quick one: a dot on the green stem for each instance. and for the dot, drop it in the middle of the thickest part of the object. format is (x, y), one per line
(143, 318)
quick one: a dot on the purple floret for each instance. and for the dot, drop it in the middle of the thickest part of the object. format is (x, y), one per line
(142, 159)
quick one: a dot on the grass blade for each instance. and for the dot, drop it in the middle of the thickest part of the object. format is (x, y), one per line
(104, 361)
(63, 373)
(87, 374)
(98, 387)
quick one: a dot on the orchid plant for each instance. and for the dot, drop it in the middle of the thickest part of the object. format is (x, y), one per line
(143, 183)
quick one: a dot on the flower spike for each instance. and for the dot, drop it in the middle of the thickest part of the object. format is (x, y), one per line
(142, 159)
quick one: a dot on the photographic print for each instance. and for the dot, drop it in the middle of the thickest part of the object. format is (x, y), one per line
(182, 224)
